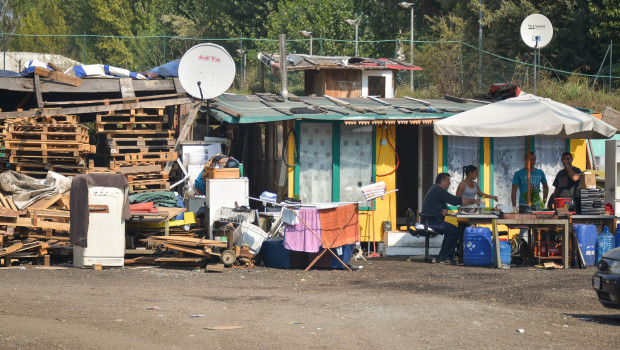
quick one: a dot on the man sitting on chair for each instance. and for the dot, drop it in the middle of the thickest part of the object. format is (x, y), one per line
(435, 204)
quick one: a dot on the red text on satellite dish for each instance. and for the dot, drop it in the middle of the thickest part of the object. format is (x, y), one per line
(213, 59)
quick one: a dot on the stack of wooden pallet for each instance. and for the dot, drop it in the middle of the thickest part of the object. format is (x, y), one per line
(139, 147)
(36, 145)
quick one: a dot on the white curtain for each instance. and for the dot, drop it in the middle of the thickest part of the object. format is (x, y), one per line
(355, 161)
(548, 154)
(462, 151)
(315, 163)
(508, 156)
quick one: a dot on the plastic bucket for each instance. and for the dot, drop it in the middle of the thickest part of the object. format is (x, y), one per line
(477, 247)
(587, 240)
(562, 202)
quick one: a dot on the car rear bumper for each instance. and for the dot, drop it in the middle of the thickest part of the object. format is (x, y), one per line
(607, 288)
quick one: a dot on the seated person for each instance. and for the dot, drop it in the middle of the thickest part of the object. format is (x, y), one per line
(435, 204)
(468, 188)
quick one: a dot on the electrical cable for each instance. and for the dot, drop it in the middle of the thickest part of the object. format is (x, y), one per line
(285, 149)
(395, 153)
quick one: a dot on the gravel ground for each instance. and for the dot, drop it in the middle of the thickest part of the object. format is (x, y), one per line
(389, 303)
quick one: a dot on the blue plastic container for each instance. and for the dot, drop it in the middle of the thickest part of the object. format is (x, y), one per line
(504, 253)
(477, 247)
(617, 236)
(586, 238)
(273, 254)
(605, 243)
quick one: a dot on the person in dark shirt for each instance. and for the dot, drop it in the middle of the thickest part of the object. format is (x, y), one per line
(435, 204)
(567, 180)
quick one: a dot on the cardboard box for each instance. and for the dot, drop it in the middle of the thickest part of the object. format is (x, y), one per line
(587, 180)
(222, 173)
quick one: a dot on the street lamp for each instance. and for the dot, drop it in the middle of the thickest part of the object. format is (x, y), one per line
(354, 22)
(409, 5)
(308, 34)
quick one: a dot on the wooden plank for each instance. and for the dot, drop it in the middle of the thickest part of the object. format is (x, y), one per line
(184, 133)
(57, 76)
(88, 86)
(126, 85)
(98, 109)
(9, 213)
(11, 249)
(46, 202)
(186, 250)
(37, 93)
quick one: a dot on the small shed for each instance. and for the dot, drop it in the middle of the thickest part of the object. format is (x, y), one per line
(343, 76)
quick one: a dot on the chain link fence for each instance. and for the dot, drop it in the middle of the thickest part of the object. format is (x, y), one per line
(453, 68)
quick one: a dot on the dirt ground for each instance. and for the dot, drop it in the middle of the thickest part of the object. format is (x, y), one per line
(389, 303)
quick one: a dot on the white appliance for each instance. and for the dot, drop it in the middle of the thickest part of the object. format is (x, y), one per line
(106, 229)
(224, 193)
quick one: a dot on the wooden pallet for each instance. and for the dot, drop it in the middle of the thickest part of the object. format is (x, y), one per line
(141, 141)
(56, 119)
(16, 136)
(135, 119)
(129, 127)
(42, 153)
(157, 111)
(47, 128)
(149, 185)
(145, 134)
(139, 149)
(33, 145)
(147, 176)
(144, 157)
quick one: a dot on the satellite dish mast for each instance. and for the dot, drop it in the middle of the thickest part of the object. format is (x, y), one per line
(536, 32)
(206, 71)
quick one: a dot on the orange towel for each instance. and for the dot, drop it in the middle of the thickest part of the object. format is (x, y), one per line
(332, 222)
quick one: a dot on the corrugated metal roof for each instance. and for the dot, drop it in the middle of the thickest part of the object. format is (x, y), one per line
(243, 109)
(298, 62)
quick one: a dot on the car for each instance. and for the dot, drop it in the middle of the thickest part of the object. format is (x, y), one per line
(606, 280)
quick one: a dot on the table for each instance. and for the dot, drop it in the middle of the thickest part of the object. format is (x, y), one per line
(495, 220)
(608, 220)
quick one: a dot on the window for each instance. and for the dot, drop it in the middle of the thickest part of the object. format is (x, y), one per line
(335, 160)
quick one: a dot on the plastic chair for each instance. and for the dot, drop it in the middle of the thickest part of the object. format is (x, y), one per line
(420, 229)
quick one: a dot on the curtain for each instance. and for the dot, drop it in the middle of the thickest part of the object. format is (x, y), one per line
(315, 163)
(508, 154)
(462, 151)
(355, 161)
(548, 157)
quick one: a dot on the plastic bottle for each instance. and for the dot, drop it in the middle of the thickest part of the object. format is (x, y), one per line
(617, 236)
(605, 242)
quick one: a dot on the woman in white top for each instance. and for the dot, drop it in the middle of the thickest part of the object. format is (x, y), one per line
(468, 188)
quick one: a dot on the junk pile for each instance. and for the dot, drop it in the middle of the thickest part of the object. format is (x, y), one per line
(38, 144)
(34, 217)
(139, 147)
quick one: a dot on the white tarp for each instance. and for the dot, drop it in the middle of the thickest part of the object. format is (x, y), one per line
(526, 115)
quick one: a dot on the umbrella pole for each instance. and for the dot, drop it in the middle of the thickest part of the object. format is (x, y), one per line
(528, 168)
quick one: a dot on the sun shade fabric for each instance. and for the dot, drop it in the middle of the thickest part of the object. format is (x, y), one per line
(526, 115)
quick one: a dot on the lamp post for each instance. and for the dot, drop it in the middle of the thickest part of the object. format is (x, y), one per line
(354, 22)
(308, 34)
(243, 61)
(409, 5)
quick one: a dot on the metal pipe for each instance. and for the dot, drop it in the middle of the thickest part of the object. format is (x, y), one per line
(480, 47)
(283, 63)
(411, 50)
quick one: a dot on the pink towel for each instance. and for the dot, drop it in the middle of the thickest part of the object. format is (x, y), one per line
(299, 238)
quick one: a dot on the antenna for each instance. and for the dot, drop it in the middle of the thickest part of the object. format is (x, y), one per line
(536, 32)
(206, 71)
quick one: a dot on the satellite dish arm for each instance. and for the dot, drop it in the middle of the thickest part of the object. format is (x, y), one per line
(199, 88)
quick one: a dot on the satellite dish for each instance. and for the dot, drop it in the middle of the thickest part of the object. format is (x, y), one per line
(206, 71)
(536, 31)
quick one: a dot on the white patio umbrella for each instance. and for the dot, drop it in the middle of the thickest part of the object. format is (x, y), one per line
(525, 115)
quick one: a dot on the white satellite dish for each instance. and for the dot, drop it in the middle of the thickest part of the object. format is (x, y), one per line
(206, 71)
(536, 31)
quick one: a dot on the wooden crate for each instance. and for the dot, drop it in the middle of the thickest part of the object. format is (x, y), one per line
(222, 173)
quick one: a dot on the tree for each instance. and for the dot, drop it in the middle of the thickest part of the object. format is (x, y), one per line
(47, 18)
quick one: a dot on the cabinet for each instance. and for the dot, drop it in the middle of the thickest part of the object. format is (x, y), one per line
(224, 193)
(612, 173)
